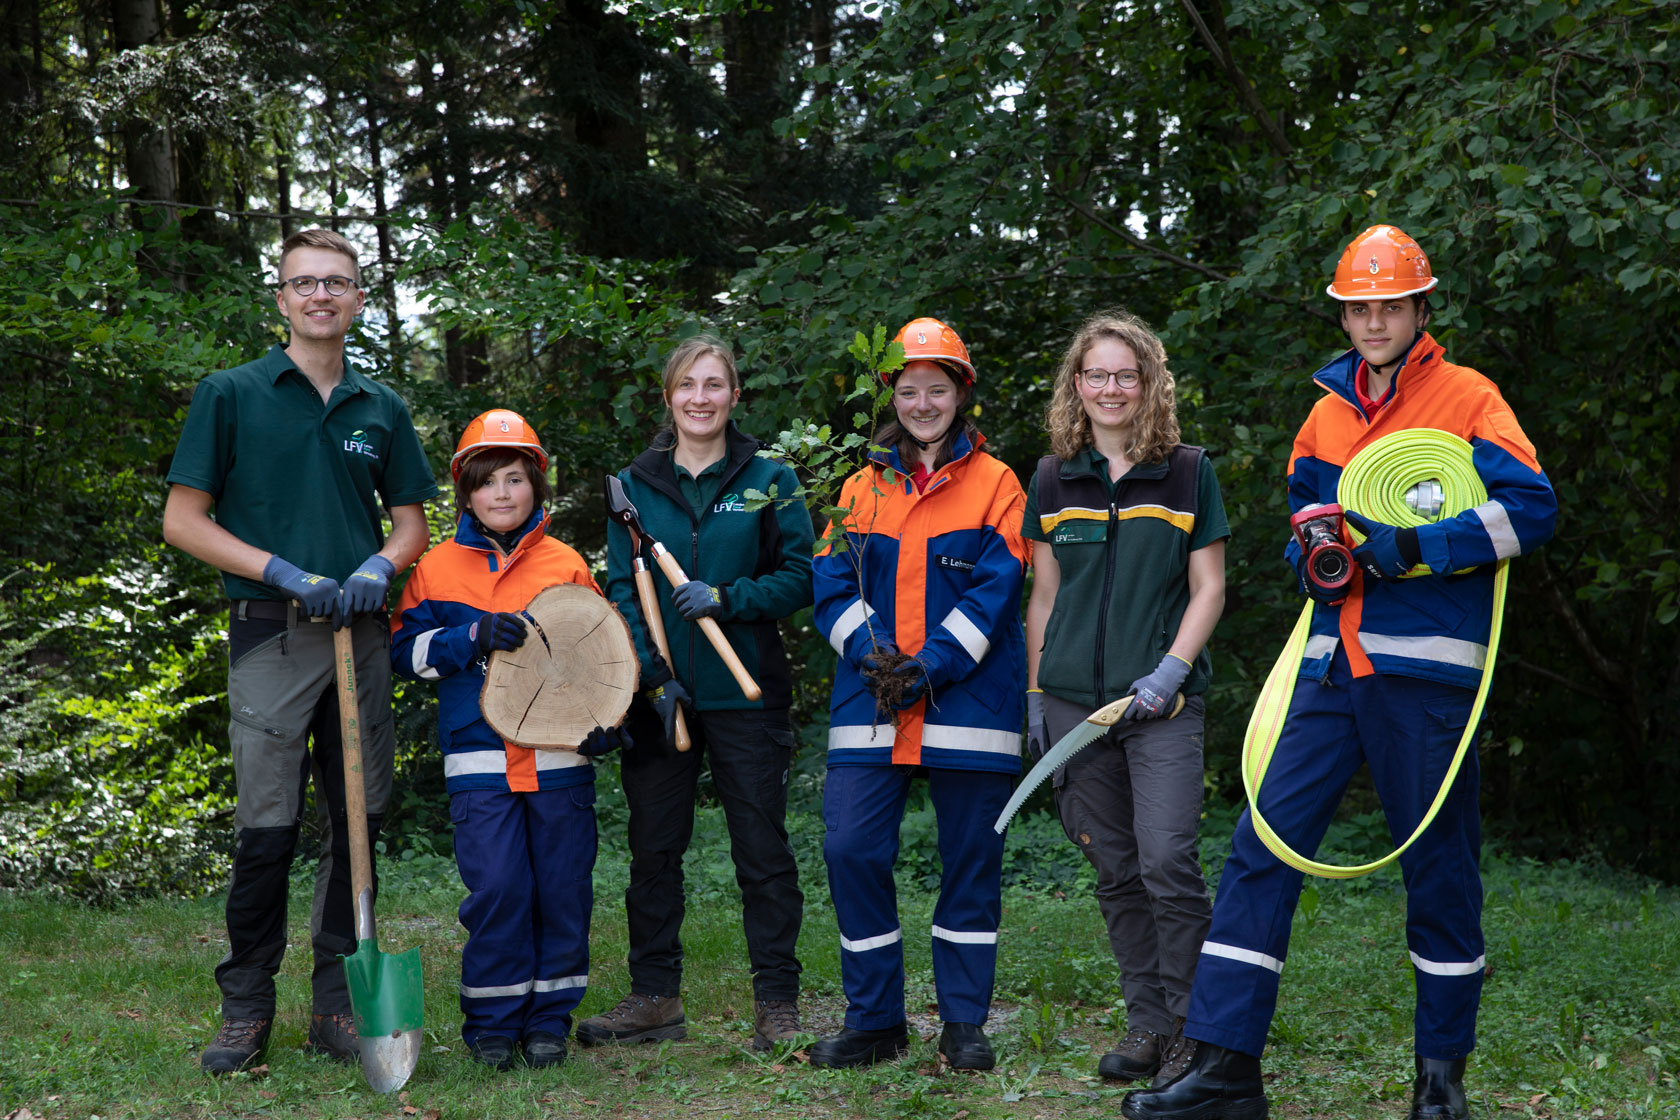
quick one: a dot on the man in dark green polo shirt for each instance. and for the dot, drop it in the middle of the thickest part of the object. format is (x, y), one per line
(278, 479)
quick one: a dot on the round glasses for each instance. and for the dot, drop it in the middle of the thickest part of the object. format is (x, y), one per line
(1097, 378)
(335, 285)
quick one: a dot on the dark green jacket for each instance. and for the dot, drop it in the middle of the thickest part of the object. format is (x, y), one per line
(1124, 554)
(759, 560)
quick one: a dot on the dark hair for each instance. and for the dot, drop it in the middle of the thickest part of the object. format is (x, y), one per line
(476, 471)
(321, 239)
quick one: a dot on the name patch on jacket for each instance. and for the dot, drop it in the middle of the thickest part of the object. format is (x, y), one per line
(954, 562)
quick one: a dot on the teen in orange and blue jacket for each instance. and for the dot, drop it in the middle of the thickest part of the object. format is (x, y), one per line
(1396, 665)
(524, 819)
(933, 567)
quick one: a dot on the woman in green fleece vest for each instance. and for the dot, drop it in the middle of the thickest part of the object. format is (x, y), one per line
(1128, 535)
(747, 569)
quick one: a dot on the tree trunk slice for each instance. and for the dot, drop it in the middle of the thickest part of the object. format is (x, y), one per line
(576, 671)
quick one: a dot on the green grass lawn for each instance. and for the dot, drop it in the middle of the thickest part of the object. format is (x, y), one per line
(103, 1013)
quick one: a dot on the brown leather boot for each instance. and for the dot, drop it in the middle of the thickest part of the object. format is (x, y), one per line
(636, 1018)
(239, 1044)
(1135, 1057)
(774, 1020)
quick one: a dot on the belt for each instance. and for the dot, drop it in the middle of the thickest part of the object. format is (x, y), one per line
(273, 610)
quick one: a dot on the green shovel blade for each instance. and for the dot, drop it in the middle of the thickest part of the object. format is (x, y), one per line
(388, 997)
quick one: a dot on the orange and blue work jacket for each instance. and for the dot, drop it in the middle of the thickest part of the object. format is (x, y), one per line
(434, 638)
(938, 574)
(1435, 626)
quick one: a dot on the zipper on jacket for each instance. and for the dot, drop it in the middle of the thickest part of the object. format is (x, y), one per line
(1107, 591)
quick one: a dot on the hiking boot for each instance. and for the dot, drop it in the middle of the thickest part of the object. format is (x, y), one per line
(1218, 1083)
(493, 1050)
(543, 1048)
(774, 1020)
(965, 1046)
(1135, 1057)
(853, 1047)
(1438, 1092)
(1176, 1056)
(333, 1036)
(637, 1018)
(238, 1044)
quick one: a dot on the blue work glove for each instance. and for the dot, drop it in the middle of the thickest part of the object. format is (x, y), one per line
(665, 697)
(318, 594)
(604, 740)
(502, 630)
(1152, 696)
(872, 660)
(1038, 733)
(917, 685)
(364, 592)
(698, 599)
(1388, 552)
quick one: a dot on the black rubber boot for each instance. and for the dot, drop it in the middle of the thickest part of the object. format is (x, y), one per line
(965, 1046)
(1438, 1091)
(853, 1047)
(1219, 1084)
(494, 1050)
(543, 1049)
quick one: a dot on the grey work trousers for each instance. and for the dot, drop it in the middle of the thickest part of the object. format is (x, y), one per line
(284, 731)
(1131, 801)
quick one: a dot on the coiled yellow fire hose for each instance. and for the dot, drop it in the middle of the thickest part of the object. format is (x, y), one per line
(1374, 485)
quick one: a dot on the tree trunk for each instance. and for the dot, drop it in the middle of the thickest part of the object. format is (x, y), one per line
(149, 155)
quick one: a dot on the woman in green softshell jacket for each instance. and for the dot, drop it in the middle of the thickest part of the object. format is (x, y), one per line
(747, 569)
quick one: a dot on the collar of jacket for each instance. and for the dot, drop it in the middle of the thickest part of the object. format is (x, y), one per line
(964, 447)
(1084, 465)
(1422, 359)
(653, 466)
(467, 534)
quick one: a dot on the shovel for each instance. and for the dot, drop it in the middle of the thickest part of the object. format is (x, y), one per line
(1084, 733)
(386, 993)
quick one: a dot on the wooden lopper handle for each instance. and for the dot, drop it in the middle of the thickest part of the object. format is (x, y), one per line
(656, 623)
(708, 626)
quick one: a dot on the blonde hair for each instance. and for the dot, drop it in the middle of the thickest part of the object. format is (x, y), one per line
(321, 239)
(1155, 431)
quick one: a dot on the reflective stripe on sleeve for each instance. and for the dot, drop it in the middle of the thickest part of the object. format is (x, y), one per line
(1497, 523)
(850, 619)
(962, 628)
(422, 648)
(1245, 956)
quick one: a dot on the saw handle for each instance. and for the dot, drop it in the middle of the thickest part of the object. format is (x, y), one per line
(656, 623)
(355, 789)
(708, 626)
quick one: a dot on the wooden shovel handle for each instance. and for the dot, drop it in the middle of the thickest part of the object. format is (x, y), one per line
(656, 623)
(355, 790)
(709, 627)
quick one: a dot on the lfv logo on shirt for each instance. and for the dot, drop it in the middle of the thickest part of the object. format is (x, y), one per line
(730, 503)
(358, 444)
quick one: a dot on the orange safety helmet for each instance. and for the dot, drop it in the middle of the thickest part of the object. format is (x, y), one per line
(1381, 263)
(500, 427)
(929, 340)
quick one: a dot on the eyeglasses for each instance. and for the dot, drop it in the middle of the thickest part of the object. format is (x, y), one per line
(1097, 378)
(335, 285)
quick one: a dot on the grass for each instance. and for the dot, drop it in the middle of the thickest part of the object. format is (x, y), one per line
(103, 1013)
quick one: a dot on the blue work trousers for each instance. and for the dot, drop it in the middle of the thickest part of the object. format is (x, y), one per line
(527, 860)
(863, 807)
(1406, 730)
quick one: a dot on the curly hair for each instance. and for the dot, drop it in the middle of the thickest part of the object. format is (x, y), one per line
(1155, 431)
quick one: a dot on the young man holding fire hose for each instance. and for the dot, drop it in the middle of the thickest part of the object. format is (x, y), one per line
(1394, 666)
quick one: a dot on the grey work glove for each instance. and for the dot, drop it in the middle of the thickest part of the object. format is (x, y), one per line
(1152, 696)
(364, 592)
(318, 594)
(665, 698)
(698, 599)
(1038, 733)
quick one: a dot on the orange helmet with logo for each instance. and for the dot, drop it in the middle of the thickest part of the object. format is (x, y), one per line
(500, 427)
(1381, 263)
(929, 340)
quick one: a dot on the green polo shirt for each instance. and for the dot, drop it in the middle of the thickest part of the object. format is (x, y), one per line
(699, 491)
(295, 476)
(1123, 548)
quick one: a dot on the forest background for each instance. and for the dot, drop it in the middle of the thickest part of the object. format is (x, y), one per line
(549, 193)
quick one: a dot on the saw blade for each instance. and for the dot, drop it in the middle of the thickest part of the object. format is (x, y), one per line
(1086, 732)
